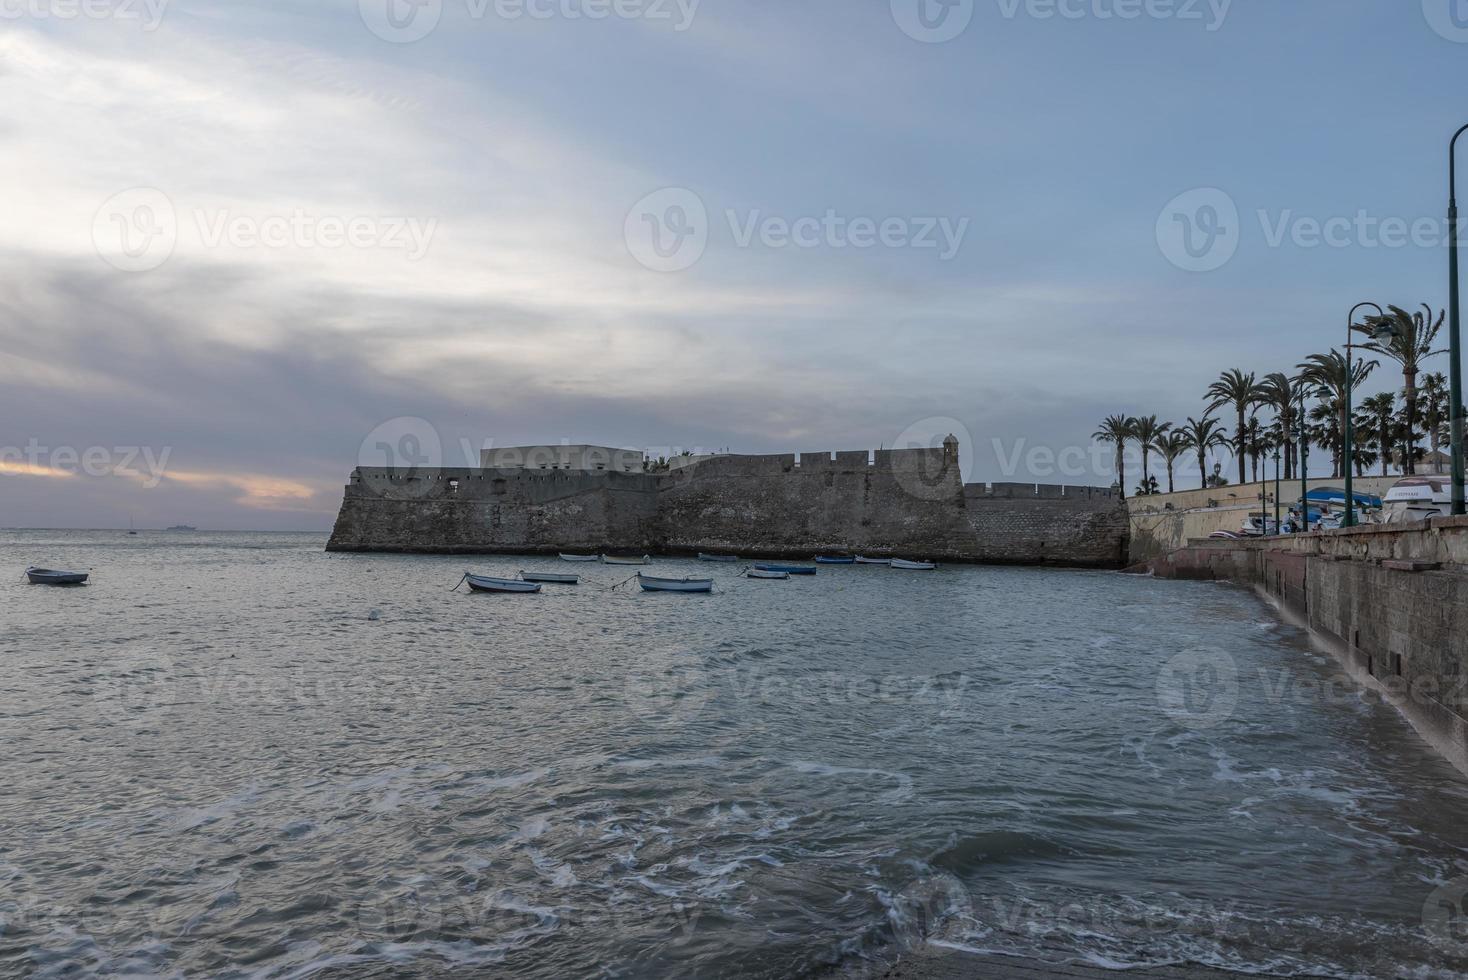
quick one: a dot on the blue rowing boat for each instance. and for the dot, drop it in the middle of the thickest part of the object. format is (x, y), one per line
(834, 560)
(791, 569)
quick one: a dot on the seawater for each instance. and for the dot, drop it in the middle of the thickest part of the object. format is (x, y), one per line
(217, 762)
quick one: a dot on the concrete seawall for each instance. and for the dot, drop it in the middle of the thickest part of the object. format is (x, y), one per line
(1391, 603)
(907, 503)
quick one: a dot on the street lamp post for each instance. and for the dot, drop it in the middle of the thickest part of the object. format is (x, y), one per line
(1455, 370)
(1384, 333)
(1282, 438)
(1304, 434)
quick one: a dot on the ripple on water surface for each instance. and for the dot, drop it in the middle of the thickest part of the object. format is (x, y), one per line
(218, 764)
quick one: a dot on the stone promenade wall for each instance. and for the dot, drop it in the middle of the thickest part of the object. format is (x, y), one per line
(1390, 602)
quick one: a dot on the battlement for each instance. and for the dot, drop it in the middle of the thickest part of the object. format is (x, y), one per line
(1036, 491)
(889, 460)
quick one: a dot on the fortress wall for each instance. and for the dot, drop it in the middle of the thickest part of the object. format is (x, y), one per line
(907, 503)
(495, 511)
(903, 504)
(1018, 523)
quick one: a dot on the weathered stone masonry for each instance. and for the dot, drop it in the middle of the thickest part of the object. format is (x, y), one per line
(890, 502)
(1391, 602)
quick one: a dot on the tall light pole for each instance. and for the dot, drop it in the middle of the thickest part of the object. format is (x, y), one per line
(1282, 437)
(1454, 327)
(1383, 335)
(1304, 434)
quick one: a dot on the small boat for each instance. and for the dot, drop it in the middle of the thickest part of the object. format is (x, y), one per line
(704, 557)
(834, 560)
(612, 560)
(52, 576)
(860, 560)
(1258, 524)
(1417, 498)
(765, 573)
(651, 583)
(789, 569)
(551, 577)
(580, 557)
(482, 583)
(913, 566)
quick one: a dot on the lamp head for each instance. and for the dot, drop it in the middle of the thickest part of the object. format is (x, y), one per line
(1384, 332)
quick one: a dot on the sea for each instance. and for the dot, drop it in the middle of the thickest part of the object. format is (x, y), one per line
(235, 755)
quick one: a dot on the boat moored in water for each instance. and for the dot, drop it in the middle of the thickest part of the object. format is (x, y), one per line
(483, 583)
(725, 558)
(54, 576)
(862, 560)
(789, 569)
(913, 566)
(835, 560)
(652, 583)
(765, 573)
(554, 578)
(614, 560)
(565, 557)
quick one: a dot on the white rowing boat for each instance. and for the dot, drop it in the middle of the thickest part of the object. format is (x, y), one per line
(766, 573)
(612, 560)
(483, 583)
(861, 560)
(913, 566)
(651, 583)
(580, 557)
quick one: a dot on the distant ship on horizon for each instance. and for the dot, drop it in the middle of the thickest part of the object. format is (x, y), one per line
(182, 527)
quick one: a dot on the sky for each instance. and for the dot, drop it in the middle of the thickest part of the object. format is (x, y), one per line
(248, 245)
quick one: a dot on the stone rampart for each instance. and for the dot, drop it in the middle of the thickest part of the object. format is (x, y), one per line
(1026, 524)
(909, 503)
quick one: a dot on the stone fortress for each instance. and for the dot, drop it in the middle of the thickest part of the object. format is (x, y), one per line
(590, 499)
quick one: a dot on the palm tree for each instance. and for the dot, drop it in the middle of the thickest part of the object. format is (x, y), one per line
(1325, 430)
(1409, 348)
(1118, 429)
(1238, 389)
(1280, 393)
(1171, 445)
(1147, 430)
(1327, 374)
(1204, 435)
(1255, 437)
(1435, 412)
(1381, 416)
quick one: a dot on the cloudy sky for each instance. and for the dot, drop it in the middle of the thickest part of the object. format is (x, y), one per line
(244, 241)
